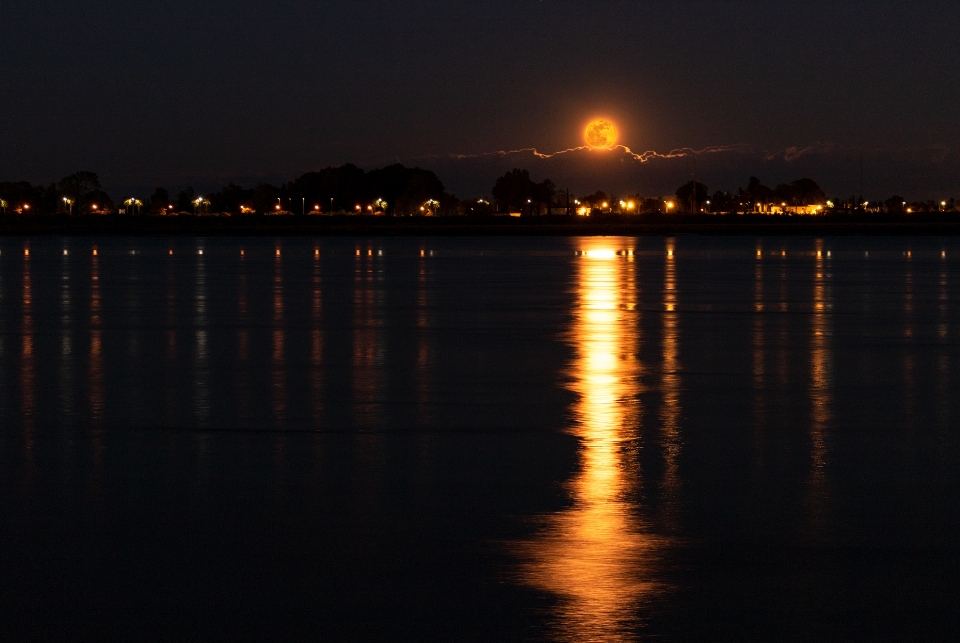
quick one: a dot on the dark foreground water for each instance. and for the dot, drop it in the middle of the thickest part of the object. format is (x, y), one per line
(597, 439)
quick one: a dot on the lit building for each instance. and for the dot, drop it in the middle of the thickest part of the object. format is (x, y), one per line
(782, 208)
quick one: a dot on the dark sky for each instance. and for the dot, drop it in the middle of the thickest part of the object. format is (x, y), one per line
(171, 92)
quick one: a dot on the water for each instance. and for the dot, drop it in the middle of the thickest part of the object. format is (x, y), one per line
(596, 439)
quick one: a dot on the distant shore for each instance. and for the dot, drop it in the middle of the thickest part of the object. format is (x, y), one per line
(857, 224)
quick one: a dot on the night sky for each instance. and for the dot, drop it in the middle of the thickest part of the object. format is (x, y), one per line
(177, 92)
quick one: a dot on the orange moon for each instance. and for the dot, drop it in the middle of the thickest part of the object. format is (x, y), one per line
(601, 134)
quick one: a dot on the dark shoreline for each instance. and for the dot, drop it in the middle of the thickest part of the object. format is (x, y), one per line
(938, 224)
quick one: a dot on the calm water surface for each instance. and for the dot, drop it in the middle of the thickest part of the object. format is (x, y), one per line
(596, 439)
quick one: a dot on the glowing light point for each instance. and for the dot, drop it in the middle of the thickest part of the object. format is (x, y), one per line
(601, 134)
(600, 253)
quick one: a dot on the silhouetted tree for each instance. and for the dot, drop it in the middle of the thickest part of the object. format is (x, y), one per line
(513, 190)
(97, 201)
(78, 187)
(230, 198)
(895, 204)
(685, 194)
(18, 194)
(185, 200)
(807, 192)
(723, 202)
(159, 201)
(516, 192)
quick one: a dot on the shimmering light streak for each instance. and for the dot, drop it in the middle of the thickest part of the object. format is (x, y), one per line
(596, 556)
(821, 394)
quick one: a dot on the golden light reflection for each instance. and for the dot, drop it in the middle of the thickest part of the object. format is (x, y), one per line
(759, 359)
(27, 365)
(821, 395)
(96, 359)
(171, 372)
(67, 374)
(670, 389)
(201, 383)
(909, 366)
(316, 343)
(279, 371)
(423, 347)
(368, 350)
(595, 556)
(942, 297)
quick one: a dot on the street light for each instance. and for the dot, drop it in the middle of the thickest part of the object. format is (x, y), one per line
(133, 202)
(198, 203)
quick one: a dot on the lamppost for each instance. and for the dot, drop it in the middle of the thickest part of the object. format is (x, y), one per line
(133, 203)
(331, 205)
(69, 204)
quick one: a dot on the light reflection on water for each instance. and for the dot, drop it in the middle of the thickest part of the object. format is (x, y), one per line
(28, 365)
(821, 390)
(720, 391)
(597, 556)
(368, 349)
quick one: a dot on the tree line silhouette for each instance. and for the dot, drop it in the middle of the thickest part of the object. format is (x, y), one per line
(397, 190)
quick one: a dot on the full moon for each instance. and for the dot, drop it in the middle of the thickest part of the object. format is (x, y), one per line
(601, 134)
